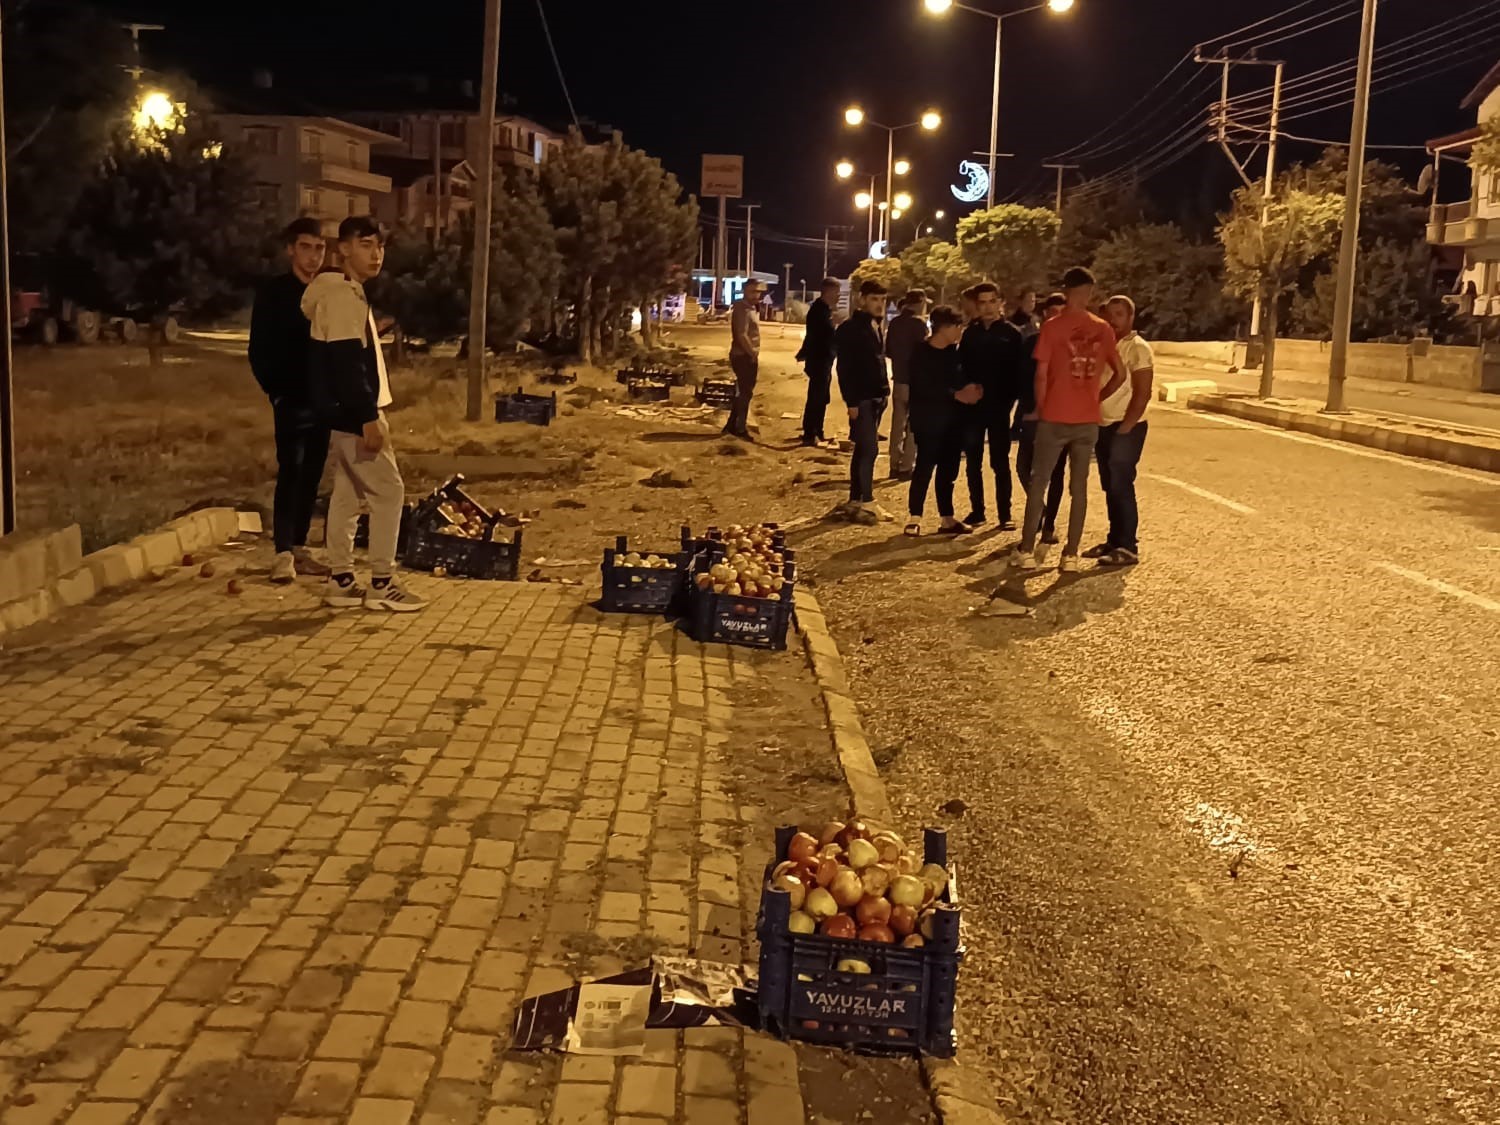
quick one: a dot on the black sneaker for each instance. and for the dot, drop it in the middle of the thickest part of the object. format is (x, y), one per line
(955, 529)
(1008, 524)
(1049, 537)
(1098, 552)
(974, 519)
(1120, 556)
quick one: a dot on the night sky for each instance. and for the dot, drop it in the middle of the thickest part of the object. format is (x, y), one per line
(681, 79)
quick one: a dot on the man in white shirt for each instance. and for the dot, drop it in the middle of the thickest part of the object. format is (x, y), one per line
(1122, 437)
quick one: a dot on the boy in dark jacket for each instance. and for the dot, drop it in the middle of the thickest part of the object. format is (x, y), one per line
(865, 390)
(351, 390)
(816, 356)
(278, 359)
(939, 390)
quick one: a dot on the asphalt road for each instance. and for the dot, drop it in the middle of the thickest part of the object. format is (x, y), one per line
(1228, 819)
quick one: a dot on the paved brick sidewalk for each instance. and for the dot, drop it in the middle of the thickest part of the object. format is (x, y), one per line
(260, 862)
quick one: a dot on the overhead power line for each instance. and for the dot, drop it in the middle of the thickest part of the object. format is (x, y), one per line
(541, 10)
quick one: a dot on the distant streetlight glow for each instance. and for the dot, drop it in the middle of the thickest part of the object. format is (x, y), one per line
(939, 7)
(931, 120)
(940, 215)
(1055, 5)
(929, 230)
(863, 200)
(844, 169)
(896, 214)
(854, 115)
(903, 167)
(156, 110)
(903, 202)
(883, 205)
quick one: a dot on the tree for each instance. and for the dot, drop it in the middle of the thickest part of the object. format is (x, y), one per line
(1175, 283)
(1486, 156)
(658, 232)
(170, 223)
(887, 271)
(1393, 291)
(426, 287)
(1010, 244)
(938, 267)
(66, 92)
(1090, 217)
(1266, 259)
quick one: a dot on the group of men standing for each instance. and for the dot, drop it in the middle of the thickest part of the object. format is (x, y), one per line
(1069, 387)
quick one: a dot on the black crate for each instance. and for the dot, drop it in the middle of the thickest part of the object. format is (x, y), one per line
(624, 375)
(428, 512)
(403, 535)
(735, 619)
(647, 388)
(718, 394)
(536, 410)
(495, 560)
(903, 1006)
(636, 589)
(558, 377)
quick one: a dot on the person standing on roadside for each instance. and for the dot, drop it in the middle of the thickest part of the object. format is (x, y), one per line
(991, 352)
(865, 390)
(1073, 354)
(278, 359)
(1122, 437)
(939, 393)
(351, 388)
(816, 356)
(744, 358)
(902, 338)
(1023, 314)
(1026, 429)
(968, 303)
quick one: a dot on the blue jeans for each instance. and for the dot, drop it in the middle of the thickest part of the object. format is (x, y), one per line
(1118, 455)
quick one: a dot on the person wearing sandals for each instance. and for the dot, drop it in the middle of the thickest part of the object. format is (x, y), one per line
(1122, 438)
(938, 387)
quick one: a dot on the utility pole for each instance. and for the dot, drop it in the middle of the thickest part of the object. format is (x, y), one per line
(484, 205)
(437, 180)
(1270, 189)
(1343, 303)
(7, 396)
(825, 251)
(749, 236)
(1061, 168)
(135, 30)
(721, 253)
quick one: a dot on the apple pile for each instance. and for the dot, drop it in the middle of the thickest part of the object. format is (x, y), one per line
(466, 520)
(852, 882)
(753, 565)
(650, 562)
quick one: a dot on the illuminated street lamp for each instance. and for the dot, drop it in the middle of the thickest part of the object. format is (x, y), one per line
(863, 200)
(844, 169)
(942, 7)
(854, 115)
(903, 167)
(940, 214)
(929, 121)
(155, 110)
(903, 202)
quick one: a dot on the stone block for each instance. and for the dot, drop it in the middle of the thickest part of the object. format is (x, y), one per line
(194, 533)
(161, 549)
(25, 612)
(117, 565)
(75, 587)
(224, 523)
(29, 561)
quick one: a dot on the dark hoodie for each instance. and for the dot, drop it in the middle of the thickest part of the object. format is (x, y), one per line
(346, 371)
(861, 355)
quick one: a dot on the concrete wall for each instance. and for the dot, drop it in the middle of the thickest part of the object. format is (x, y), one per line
(1418, 362)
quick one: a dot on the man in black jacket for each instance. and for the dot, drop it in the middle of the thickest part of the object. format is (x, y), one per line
(278, 359)
(816, 356)
(351, 389)
(939, 394)
(991, 355)
(865, 390)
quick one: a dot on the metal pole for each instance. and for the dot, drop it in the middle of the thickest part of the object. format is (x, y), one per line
(1270, 189)
(721, 250)
(825, 251)
(484, 203)
(7, 397)
(870, 218)
(995, 113)
(1343, 305)
(750, 237)
(437, 180)
(890, 183)
(786, 292)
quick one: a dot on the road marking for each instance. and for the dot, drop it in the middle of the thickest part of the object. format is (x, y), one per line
(1442, 587)
(1344, 446)
(1232, 505)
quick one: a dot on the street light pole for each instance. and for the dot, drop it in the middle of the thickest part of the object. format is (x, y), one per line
(7, 397)
(890, 184)
(995, 112)
(484, 202)
(1343, 304)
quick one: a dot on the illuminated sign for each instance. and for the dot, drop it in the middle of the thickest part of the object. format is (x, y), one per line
(978, 186)
(879, 249)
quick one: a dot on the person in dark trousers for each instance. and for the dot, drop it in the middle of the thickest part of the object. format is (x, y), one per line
(938, 392)
(1122, 438)
(865, 390)
(816, 356)
(902, 338)
(744, 358)
(1026, 430)
(991, 352)
(278, 359)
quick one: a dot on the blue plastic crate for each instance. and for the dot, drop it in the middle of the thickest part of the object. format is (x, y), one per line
(903, 1006)
(733, 618)
(636, 589)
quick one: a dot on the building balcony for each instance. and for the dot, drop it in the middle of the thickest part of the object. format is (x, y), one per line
(342, 175)
(1457, 224)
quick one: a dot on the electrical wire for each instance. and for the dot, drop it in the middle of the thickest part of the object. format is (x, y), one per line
(1318, 20)
(541, 10)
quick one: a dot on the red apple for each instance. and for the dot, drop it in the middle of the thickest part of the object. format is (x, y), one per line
(803, 847)
(846, 888)
(876, 931)
(903, 920)
(839, 926)
(872, 909)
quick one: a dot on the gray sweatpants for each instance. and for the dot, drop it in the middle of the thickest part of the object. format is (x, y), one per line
(374, 479)
(1054, 440)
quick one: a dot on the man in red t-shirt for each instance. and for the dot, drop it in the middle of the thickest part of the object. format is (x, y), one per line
(1077, 366)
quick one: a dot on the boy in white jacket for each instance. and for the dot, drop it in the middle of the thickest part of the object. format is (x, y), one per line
(350, 389)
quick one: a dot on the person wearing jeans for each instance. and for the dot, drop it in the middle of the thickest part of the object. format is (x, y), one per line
(278, 358)
(351, 389)
(1026, 430)
(1073, 352)
(992, 357)
(816, 356)
(1122, 438)
(865, 389)
(744, 358)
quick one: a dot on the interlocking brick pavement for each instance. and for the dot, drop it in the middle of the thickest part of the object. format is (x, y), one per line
(263, 862)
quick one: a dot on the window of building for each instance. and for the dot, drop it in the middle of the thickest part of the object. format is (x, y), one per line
(1495, 187)
(262, 139)
(268, 196)
(504, 137)
(312, 201)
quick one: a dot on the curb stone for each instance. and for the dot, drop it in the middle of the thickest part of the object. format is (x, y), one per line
(960, 1095)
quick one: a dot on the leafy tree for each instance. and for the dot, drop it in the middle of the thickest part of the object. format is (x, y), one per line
(1090, 218)
(887, 271)
(1175, 283)
(658, 234)
(938, 267)
(66, 91)
(1487, 148)
(1010, 244)
(426, 287)
(1266, 259)
(1393, 292)
(170, 223)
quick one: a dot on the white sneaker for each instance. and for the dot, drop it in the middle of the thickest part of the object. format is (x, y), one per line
(391, 595)
(1023, 560)
(880, 513)
(1043, 549)
(343, 592)
(1069, 564)
(284, 568)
